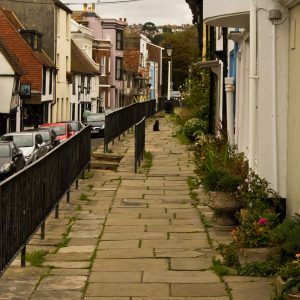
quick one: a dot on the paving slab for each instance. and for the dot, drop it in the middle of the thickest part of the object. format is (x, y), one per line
(140, 264)
(68, 264)
(77, 249)
(134, 236)
(180, 277)
(51, 295)
(175, 244)
(178, 298)
(60, 283)
(128, 289)
(126, 253)
(199, 290)
(122, 277)
(119, 244)
(199, 263)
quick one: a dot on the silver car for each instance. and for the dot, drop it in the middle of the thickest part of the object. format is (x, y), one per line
(30, 143)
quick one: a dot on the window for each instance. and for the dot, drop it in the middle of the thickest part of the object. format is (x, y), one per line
(44, 80)
(119, 42)
(50, 82)
(88, 85)
(119, 62)
(82, 84)
(38, 139)
(58, 66)
(73, 85)
(102, 65)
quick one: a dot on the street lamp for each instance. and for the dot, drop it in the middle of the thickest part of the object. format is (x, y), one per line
(169, 50)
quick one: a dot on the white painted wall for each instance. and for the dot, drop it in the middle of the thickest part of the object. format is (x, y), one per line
(6, 84)
(61, 108)
(267, 145)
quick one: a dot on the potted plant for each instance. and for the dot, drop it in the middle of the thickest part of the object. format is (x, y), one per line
(287, 283)
(221, 170)
(257, 220)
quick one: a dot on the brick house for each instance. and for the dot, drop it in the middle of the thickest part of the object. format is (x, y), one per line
(37, 86)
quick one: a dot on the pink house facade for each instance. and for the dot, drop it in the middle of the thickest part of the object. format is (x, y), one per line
(109, 30)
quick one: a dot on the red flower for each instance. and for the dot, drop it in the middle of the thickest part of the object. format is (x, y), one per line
(262, 221)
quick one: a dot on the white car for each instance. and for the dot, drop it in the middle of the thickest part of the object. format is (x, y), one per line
(30, 143)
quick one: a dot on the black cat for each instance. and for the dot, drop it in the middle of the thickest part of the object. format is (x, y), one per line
(156, 125)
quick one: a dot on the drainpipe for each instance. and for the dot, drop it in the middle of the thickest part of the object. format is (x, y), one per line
(274, 110)
(221, 82)
(252, 84)
(229, 89)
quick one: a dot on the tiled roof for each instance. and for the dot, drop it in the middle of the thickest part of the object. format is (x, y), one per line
(13, 60)
(131, 59)
(80, 63)
(31, 61)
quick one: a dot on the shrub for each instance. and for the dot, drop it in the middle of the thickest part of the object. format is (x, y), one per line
(266, 268)
(287, 235)
(192, 126)
(219, 167)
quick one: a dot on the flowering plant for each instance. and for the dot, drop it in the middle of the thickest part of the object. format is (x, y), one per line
(254, 230)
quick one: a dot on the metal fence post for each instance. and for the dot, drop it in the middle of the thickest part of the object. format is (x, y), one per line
(57, 211)
(23, 257)
(43, 231)
(68, 196)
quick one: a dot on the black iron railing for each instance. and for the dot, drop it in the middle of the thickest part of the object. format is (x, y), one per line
(118, 122)
(28, 197)
(139, 143)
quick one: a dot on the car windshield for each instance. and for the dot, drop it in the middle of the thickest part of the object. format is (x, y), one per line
(45, 135)
(74, 126)
(4, 151)
(95, 118)
(20, 140)
(59, 130)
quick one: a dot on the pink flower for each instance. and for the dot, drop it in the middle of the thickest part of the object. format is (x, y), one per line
(262, 221)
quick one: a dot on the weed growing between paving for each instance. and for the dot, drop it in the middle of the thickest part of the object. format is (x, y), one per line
(36, 258)
(148, 160)
(87, 175)
(84, 197)
(90, 187)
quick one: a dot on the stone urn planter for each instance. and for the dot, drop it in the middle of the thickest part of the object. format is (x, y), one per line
(251, 255)
(225, 205)
(293, 296)
(279, 286)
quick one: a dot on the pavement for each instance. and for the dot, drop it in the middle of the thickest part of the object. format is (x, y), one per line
(127, 236)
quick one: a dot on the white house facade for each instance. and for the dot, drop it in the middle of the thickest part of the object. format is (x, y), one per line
(261, 81)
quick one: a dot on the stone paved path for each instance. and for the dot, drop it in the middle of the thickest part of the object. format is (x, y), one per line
(127, 236)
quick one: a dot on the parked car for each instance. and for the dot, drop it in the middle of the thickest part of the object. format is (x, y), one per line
(63, 130)
(76, 125)
(11, 159)
(97, 122)
(50, 137)
(30, 143)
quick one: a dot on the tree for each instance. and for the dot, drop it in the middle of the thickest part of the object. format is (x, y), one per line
(149, 29)
(185, 52)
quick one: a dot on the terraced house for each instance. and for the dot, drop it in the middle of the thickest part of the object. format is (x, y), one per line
(33, 69)
(259, 83)
(51, 19)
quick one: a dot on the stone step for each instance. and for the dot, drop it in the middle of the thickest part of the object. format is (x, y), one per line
(97, 155)
(104, 165)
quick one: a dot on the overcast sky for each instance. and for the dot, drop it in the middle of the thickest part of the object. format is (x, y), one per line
(160, 12)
